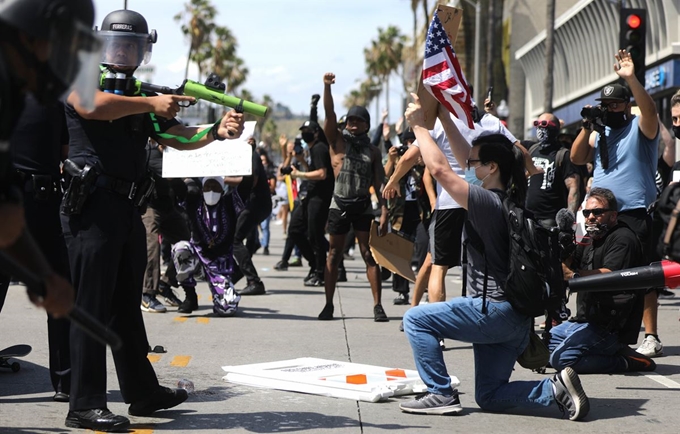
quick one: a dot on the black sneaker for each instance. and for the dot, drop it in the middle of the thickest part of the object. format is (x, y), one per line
(297, 262)
(401, 326)
(189, 304)
(342, 275)
(97, 419)
(430, 403)
(401, 299)
(265, 252)
(162, 398)
(327, 313)
(281, 266)
(254, 288)
(314, 281)
(569, 394)
(379, 314)
(310, 275)
(636, 362)
(169, 295)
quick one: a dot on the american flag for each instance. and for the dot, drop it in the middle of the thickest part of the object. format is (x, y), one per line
(442, 75)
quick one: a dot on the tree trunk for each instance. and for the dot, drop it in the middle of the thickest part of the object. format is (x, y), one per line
(186, 68)
(549, 57)
(490, 46)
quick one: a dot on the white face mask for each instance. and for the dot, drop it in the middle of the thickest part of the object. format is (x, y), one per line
(211, 198)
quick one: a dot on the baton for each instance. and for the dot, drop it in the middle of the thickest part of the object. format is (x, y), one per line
(78, 316)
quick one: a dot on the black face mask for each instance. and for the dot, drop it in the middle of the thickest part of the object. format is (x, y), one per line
(676, 132)
(616, 119)
(308, 137)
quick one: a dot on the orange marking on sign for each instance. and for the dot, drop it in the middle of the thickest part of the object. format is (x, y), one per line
(180, 361)
(153, 358)
(356, 379)
(396, 373)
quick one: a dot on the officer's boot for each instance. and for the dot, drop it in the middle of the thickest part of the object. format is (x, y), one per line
(190, 302)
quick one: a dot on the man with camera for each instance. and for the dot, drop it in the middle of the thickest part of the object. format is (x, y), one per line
(624, 149)
(596, 340)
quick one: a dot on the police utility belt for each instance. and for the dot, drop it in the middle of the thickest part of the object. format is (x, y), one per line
(84, 180)
(42, 187)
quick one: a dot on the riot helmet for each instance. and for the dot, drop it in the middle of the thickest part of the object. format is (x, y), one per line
(72, 47)
(127, 40)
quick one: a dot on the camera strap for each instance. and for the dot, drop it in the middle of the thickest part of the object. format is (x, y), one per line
(604, 151)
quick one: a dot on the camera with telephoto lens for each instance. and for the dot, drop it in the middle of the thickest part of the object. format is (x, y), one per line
(592, 114)
(567, 243)
(401, 150)
(298, 146)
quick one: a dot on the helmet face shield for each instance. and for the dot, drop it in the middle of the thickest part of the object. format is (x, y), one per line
(73, 56)
(125, 49)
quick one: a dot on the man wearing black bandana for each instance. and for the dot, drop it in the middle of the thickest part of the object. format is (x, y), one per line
(558, 186)
(351, 204)
(625, 154)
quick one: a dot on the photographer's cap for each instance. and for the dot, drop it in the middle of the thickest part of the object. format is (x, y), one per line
(614, 92)
(311, 125)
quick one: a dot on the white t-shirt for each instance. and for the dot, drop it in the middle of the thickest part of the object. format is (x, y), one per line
(489, 124)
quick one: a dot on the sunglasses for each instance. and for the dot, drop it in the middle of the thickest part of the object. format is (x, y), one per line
(544, 124)
(595, 211)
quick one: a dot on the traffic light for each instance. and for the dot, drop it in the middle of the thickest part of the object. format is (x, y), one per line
(632, 38)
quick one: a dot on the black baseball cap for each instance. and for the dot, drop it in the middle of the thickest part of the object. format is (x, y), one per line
(614, 92)
(312, 125)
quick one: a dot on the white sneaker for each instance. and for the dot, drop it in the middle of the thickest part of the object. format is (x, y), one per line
(651, 347)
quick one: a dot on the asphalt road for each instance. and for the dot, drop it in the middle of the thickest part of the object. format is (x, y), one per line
(282, 325)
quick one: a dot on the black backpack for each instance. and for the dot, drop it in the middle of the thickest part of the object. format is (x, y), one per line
(535, 284)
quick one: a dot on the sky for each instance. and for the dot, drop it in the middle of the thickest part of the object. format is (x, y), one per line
(287, 45)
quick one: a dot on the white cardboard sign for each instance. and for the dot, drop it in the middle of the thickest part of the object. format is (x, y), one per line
(226, 158)
(330, 378)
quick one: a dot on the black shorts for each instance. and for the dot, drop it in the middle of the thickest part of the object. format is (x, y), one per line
(446, 230)
(339, 224)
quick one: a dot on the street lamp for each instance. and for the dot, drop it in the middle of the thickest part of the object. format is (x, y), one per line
(478, 36)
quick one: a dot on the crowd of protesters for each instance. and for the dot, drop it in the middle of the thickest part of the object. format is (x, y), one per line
(335, 187)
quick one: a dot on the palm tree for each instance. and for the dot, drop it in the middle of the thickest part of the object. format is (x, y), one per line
(385, 56)
(197, 24)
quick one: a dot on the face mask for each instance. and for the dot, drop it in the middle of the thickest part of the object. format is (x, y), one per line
(546, 136)
(471, 177)
(597, 230)
(211, 198)
(308, 137)
(616, 119)
(676, 132)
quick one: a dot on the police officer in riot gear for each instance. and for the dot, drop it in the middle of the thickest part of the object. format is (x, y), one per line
(103, 226)
(43, 45)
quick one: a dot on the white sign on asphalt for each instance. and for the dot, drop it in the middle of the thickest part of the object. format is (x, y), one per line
(330, 378)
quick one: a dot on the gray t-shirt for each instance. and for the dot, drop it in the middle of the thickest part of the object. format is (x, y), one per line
(485, 212)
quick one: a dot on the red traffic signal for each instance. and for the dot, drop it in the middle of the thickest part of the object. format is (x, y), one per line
(633, 21)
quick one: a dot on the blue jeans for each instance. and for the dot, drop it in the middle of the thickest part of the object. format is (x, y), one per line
(586, 348)
(266, 235)
(498, 338)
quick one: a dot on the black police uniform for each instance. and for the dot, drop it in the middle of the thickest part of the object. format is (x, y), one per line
(36, 147)
(107, 252)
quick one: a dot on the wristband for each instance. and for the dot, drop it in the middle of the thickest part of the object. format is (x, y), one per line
(215, 135)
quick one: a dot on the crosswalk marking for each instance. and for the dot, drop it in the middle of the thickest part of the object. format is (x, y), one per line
(180, 361)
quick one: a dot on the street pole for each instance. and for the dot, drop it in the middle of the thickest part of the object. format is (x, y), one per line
(478, 39)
